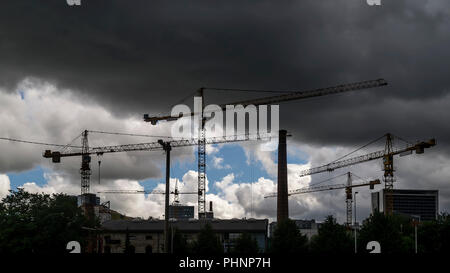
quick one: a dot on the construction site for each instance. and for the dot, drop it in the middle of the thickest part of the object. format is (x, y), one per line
(156, 235)
(312, 130)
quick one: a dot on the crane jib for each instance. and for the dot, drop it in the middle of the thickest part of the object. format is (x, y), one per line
(418, 148)
(295, 95)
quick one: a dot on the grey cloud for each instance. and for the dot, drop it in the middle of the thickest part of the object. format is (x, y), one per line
(142, 56)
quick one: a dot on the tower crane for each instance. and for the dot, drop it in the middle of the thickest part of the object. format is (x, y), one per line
(175, 192)
(348, 191)
(388, 163)
(86, 151)
(291, 95)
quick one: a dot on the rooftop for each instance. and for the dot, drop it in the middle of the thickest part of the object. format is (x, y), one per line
(193, 225)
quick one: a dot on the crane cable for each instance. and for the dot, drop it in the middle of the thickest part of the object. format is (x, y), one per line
(364, 146)
(128, 134)
(360, 148)
(248, 90)
(317, 183)
(69, 144)
(364, 180)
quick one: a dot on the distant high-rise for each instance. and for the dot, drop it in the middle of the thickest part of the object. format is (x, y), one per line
(181, 212)
(423, 203)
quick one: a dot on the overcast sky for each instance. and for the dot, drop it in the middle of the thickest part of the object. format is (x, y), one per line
(102, 65)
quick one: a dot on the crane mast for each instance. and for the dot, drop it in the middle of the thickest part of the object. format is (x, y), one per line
(349, 198)
(201, 153)
(85, 169)
(388, 177)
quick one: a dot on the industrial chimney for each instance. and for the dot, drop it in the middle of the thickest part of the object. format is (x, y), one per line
(282, 191)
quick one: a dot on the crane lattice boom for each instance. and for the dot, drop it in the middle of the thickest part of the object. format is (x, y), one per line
(56, 155)
(326, 188)
(142, 192)
(419, 147)
(295, 95)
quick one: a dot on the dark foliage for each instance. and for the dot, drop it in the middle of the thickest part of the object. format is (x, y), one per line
(207, 242)
(333, 238)
(287, 238)
(245, 244)
(40, 223)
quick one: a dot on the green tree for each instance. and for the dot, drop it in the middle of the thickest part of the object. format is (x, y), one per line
(207, 242)
(434, 236)
(332, 238)
(40, 223)
(393, 232)
(180, 244)
(245, 244)
(287, 238)
(444, 231)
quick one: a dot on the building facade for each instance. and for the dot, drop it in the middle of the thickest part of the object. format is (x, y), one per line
(423, 203)
(181, 212)
(307, 227)
(147, 236)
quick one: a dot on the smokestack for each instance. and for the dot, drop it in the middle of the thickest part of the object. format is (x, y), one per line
(282, 191)
(210, 206)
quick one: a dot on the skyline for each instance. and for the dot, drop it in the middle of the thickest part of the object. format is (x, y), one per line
(102, 65)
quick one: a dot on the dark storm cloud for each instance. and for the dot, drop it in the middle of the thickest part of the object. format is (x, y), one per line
(142, 56)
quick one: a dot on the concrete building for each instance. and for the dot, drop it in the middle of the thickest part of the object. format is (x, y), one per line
(307, 227)
(423, 203)
(147, 236)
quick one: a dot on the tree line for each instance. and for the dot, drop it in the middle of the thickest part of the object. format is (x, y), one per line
(42, 223)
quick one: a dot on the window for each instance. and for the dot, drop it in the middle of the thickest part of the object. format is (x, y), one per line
(107, 249)
(109, 241)
(131, 249)
(148, 237)
(148, 249)
(234, 236)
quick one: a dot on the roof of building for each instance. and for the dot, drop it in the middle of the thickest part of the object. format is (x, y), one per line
(194, 225)
(413, 191)
(302, 224)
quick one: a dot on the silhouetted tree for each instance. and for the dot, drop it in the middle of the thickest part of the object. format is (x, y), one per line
(245, 244)
(40, 223)
(207, 242)
(332, 238)
(393, 232)
(434, 236)
(287, 238)
(444, 231)
(180, 244)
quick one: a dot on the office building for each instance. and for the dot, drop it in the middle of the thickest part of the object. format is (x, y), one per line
(423, 203)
